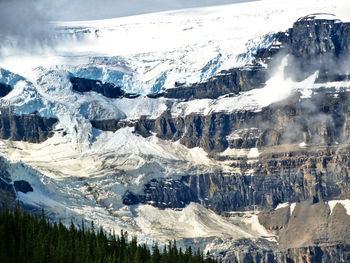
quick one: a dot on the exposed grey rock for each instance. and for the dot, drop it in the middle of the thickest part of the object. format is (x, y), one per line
(311, 233)
(109, 125)
(4, 89)
(30, 127)
(284, 171)
(130, 199)
(106, 89)
(319, 120)
(308, 224)
(321, 45)
(315, 225)
(7, 192)
(166, 193)
(232, 81)
(22, 186)
(248, 251)
(7, 196)
(314, 254)
(144, 126)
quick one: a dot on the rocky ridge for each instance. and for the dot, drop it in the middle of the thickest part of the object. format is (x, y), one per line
(30, 128)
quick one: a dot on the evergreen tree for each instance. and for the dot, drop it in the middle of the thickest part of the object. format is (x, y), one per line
(27, 239)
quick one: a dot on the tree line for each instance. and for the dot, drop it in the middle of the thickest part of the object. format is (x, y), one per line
(26, 238)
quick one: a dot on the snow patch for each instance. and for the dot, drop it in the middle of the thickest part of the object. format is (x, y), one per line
(235, 152)
(282, 205)
(302, 145)
(256, 226)
(292, 207)
(345, 203)
(287, 204)
(253, 153)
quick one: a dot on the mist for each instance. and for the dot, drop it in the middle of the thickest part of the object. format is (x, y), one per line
(25, 24)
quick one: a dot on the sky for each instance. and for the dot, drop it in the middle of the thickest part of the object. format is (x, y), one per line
(99, 9)
(24, 22)
(95, 9)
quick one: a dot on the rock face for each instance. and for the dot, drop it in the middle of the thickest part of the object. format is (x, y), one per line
(7, 191)
(30, 128)
(308, 224)
(110, 125)
(164, 194)
(284, 171)
(321, 119)
(4, 89)
(308, 232)
(338, 254)
(22, 186)
(315, 224)
(319, 45)
(7, 196)
(106, 89)
(233, 81)
(264, 183)
(167, 193)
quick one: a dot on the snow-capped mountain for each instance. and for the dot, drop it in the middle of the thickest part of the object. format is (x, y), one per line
(222, 111)
(146, 53)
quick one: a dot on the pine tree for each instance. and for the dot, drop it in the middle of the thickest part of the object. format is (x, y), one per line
(28, 239)
(156, 253)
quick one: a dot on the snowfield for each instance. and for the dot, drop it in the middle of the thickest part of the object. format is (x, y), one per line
(344, 203)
